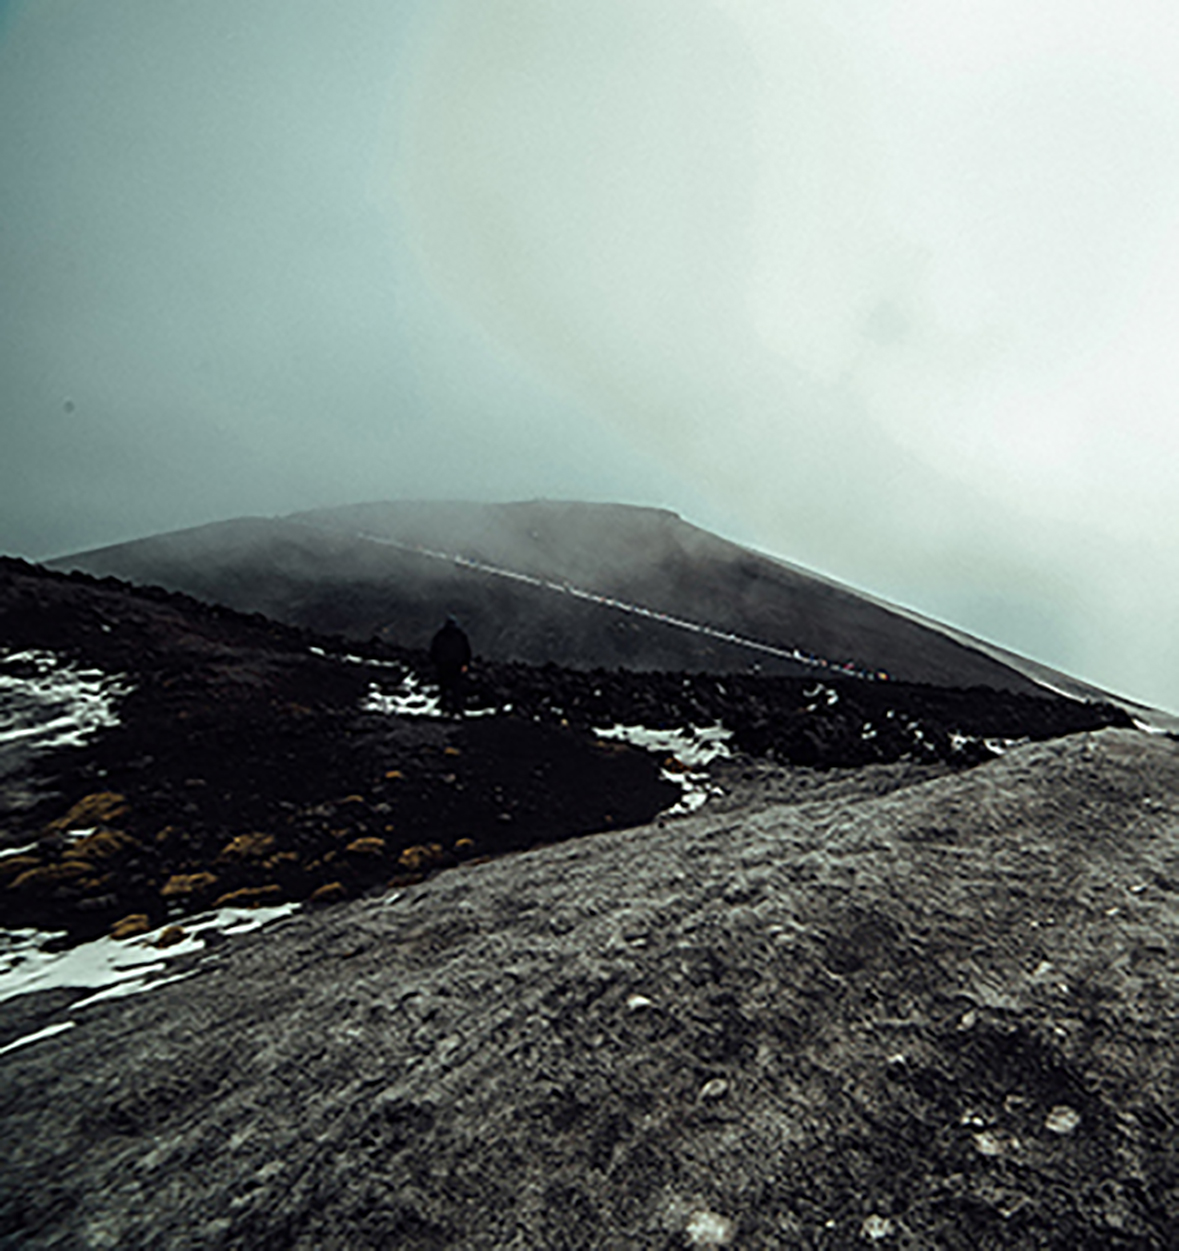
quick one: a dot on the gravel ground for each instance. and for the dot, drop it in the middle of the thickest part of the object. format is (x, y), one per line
(892, 1008)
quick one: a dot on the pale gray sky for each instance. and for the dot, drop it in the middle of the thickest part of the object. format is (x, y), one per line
(890, 289)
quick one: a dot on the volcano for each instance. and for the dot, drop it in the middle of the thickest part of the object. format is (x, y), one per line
(733, 908)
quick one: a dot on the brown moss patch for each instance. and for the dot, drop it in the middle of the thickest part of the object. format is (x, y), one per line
(398, 880)
(248, 847)
(101, 845)
(249, 897)
(366, 847)
(14, 866)
(422, 856)
(180, 884)
(129, 927)
(171, 936)
(95, 809)
(48, 877)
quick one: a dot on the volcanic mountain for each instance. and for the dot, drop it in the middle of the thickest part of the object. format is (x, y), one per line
(757, 949)
(583, 585)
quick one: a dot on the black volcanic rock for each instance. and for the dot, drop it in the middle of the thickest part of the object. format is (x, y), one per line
(247, 769)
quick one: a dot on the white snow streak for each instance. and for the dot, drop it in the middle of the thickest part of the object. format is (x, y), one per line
(48, 702)
(113, 968)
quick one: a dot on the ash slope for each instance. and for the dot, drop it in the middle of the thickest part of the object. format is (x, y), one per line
(550, 581)
(251, 763)
(941, 1016)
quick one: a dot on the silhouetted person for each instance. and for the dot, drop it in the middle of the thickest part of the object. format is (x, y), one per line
(450, 650)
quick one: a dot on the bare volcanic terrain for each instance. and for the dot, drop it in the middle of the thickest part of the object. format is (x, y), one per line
(249, 762)
(907, 977)
(831, 1011)
(576, 584)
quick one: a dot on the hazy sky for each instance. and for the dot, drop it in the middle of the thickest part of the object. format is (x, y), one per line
(890, 289)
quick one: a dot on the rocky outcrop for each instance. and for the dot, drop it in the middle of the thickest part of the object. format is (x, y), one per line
(895, 1006)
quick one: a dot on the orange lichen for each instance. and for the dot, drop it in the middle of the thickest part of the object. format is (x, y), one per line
(247, 847)
(14, 866)
(96, 809)
(367, 846)
(400, 880)
(393, 774)
(331, 892)
(129, 927)
(101, 845)
(249, 897)
(464, 845)
(422, 856)
(171, 936)
(187, 884)
(46, 877)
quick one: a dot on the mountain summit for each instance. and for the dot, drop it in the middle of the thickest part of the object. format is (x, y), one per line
(578, 584)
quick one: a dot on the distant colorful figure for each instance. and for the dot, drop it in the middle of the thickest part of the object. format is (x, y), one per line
(450, 652)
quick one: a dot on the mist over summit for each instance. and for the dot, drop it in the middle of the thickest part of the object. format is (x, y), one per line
(578, 584)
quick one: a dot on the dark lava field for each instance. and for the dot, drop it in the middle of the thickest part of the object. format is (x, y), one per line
(244, 768)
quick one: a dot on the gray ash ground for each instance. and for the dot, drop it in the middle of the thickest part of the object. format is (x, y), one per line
(244, 769)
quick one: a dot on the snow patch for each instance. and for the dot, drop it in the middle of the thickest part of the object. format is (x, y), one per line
(47, 1032)
(48, 702)
(111, 967)
(415, 699)
(691, 750)
(410, 699)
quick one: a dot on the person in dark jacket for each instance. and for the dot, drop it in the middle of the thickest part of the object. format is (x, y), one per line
(450, 652)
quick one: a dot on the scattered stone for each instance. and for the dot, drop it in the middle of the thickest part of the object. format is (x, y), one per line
(988, 1143)
(1062, 1119)
(876, 1228)
(717, 1088)
(709, 1229)
(636, 1003)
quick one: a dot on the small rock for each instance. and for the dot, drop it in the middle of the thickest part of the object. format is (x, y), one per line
(875, 1228)
(988, 1143)
(717, 1088)
(1062, 1119)
(636, 1003)
(709, 1229)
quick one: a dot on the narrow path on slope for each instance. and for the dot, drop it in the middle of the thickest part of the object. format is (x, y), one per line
(847, 669)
